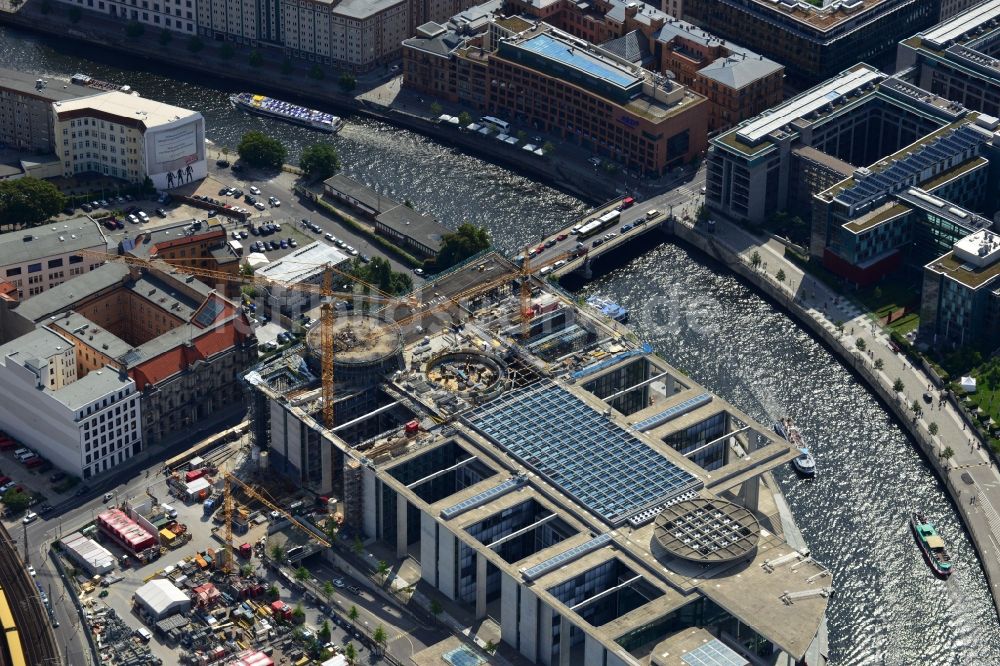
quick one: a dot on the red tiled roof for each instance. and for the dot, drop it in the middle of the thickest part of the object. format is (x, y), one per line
(8, 291)
(206, 345)
(187, 240)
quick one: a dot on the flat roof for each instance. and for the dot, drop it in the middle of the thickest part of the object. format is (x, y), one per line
(55, 90)
(591, 458)
(809, 101)
(127, 106)
(409, 223)
(92, 386)
(958, 25)
(366, 195)
(51, 239)
(362, 9)
(574, 56)
(303, 263)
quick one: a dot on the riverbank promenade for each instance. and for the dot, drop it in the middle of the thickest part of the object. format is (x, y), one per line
(971, 478)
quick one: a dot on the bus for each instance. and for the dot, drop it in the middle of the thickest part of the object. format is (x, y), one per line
(599, 224)
(501, 125)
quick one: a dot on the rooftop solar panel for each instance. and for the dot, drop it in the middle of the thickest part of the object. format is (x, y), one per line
(566, 556)
(209, 313)
(680, 408)
(714, 653)
(482, 498)
(588, 457)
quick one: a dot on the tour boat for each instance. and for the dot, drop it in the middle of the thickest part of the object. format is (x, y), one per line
(292, 113)
(931, 544)
(804, 463)
(609, 308)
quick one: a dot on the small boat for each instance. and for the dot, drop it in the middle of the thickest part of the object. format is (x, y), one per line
(609, 308)
(931, 545)
(804, 463)
(292, 113)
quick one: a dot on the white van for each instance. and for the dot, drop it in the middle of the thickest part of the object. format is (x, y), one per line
(650, 214)
(169, 510)
(144, 634)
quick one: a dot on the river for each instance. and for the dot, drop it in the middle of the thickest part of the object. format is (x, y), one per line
(887, 608)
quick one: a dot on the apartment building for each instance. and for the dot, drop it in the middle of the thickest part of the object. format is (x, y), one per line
(957, 58)
(814, 41)
(737, 82)
(175, 15)
(130, 137)
(250, 22)
(538, 77)
(352, 34)
(38, 259)
(960, 301)
(26, 113)
(84, 423)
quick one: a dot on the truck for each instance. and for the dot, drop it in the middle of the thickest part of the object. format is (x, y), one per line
(211, 504)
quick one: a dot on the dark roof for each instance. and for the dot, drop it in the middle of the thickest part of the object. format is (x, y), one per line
(55, 90)
(366, 195)
(424, 229)
(632, 46)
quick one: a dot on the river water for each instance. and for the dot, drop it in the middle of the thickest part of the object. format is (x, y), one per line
(887, 608)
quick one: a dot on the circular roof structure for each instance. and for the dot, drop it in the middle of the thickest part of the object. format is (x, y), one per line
(707, 531)
(358, 339)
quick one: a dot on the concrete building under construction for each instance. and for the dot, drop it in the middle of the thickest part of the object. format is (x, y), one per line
(551, 476)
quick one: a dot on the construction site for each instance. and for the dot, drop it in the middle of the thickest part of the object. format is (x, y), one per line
(486, 453)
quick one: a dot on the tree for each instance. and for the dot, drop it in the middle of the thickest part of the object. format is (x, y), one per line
(352, 614)
(350, 652)
(246, 570)
(278, 553)
(358, 546)
(347, 82)
(379, 272)
(28, 201)
(459, 246)
(522, 136)
(898, 385)
(860, 344)
(917, 409)
(287, 67)
(491, 647)
(299, 614)
(780, 275)
(16, 500)
(755, 259)
(164, 37)
(464, 119)
(547, 147)
(328, 590)
(258, 149)
(383, 570)
(380, 637)
(75, 14)
(195, 44)
(933, 429)
(226, 51)
(317, 72)
(879, 364)
(256, 58)
(320, 161)
(273, 591)
(133, 29)
(324, 632)
(436, 109)
(948, 453)
(436, 608)
(302, 574)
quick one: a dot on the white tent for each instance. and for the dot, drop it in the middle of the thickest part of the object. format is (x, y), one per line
(968, 384)
(161, 598)
(257, 259)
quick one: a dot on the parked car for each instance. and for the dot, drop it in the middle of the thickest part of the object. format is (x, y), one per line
(29, 517)
(161, 212)
(142, 216)
(222, 164)
(254, 189)
(86, 207)
(259, 206)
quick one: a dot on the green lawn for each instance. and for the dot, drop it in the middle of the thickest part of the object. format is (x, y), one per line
(987, 395)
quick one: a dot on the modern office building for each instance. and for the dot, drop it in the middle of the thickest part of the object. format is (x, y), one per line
(42, 257)
(130, 137)
(737, 82)
(83, 423)
(182, 344)
(814, 40)
(960, 301)
(957, 59)
(601, 510)
(26, 113)
(535, 76)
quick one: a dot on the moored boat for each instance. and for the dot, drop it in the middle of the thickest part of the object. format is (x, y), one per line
(931, 545)
(804, 463)
(609, 308)
(292, 113)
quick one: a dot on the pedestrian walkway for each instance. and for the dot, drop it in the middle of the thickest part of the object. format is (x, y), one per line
(971, 476)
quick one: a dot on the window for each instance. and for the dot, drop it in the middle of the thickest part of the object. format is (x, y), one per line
(13, 271)
(55, 263)
(34, 268)
(75, 259)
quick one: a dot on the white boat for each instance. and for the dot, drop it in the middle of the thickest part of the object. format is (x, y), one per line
(804, 463)
(292, 113)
